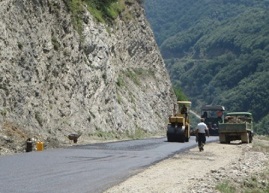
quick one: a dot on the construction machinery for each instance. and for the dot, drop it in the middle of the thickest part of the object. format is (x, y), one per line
(213, 116)
(178, 129)
(236, 126)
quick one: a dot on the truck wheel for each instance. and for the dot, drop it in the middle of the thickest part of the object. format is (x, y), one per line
(245, 138)
(249, 137)
(222, 138)
(227, 140)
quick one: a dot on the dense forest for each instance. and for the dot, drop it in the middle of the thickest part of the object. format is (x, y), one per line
(217, 52)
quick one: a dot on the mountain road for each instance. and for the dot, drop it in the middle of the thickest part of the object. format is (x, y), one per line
(89, 168)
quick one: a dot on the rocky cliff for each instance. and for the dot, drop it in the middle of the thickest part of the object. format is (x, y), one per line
(55, 81)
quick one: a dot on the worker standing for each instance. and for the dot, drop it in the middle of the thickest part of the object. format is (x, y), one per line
(184, 111)
(201, 132)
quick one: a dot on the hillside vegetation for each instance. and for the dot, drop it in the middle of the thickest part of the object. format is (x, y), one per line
(216, 51)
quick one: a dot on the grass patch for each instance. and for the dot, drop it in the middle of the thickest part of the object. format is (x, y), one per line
(114, 9)
(120, 81)
(55, 43)
(138, 133)
(133, 76)
(119, 98)
(136, 74)
(38, 118)
(258, 183)
(76, 8)
(261, 143)
(96, 13)
(104, 11)
(144, 72)
(105, 135)
(225, 187)
(4, 112)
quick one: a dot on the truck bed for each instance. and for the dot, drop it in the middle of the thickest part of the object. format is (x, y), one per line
(234, 127)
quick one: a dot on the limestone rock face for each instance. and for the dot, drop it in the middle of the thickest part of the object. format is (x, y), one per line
(54, 81)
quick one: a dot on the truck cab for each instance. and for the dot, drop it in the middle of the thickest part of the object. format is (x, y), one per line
(213, 116)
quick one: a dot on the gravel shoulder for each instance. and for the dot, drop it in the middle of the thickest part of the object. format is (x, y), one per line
(195, 171)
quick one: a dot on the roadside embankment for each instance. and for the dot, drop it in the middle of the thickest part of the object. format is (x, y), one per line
(234, 166)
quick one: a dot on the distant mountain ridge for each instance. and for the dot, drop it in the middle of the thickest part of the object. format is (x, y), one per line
(216, 51)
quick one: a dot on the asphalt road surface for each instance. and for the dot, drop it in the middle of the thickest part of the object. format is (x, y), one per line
(85, 169)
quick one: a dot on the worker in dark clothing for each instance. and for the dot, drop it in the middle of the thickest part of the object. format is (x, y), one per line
(204, 115)
(184, 111)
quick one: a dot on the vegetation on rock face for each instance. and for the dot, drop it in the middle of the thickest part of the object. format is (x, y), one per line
(217, 52)
(104, 11)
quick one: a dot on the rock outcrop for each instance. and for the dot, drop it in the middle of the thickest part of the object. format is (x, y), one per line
(55, 81)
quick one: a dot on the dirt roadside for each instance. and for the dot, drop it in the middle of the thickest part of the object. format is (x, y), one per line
(195, 171)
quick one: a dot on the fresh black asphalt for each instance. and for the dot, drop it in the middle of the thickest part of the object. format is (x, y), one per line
(89, 168)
